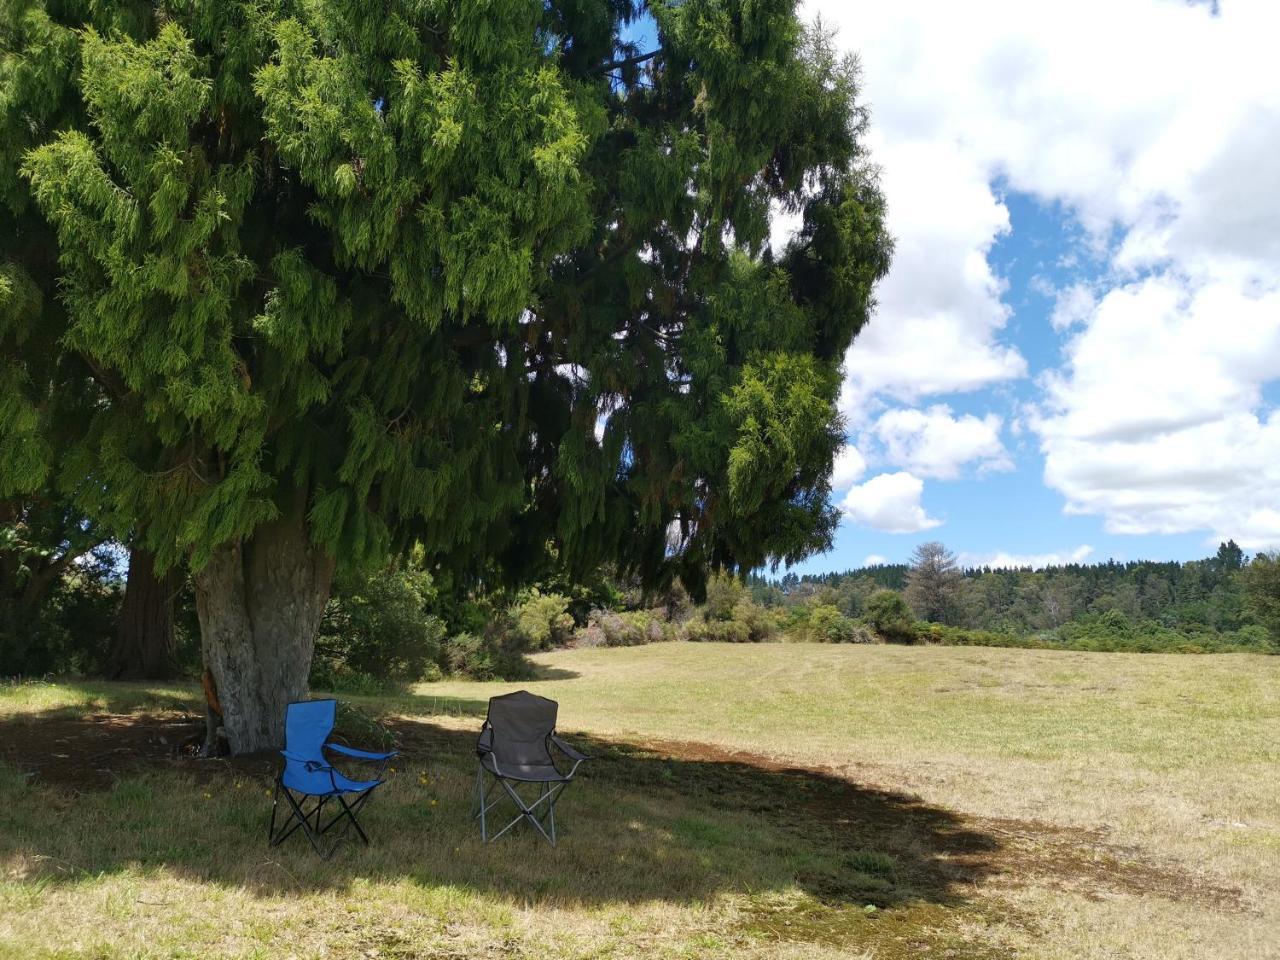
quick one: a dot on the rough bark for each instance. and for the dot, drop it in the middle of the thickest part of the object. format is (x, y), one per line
(260, 601)
(145, 647)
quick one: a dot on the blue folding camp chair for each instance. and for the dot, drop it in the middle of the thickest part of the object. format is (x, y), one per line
(309, 774)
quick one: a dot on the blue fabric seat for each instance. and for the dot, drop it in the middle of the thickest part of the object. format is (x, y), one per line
(309, 773)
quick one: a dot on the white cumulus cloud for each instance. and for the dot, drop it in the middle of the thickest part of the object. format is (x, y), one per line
(848, 468)
(889, 502)
(936, 443)
(1157, 422)
(1160, 142)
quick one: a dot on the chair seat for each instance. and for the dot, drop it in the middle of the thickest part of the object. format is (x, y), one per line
(526, 772)
(323, 783)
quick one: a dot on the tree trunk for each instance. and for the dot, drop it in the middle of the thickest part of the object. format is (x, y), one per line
(260, 601)
(145, 647)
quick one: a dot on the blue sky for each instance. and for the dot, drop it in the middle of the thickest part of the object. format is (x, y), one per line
(1012, 511)
(1076, 353)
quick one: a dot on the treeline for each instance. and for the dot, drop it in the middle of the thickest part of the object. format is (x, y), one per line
(1219, 602)
(404, 623)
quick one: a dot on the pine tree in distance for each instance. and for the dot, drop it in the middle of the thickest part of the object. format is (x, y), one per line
(344, 274)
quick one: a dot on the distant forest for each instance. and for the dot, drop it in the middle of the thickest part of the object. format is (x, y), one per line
(1207, 601)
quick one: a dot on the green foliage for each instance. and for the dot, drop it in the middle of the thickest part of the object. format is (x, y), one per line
(542, 619)
(379, 631)
(724, 593)
(70, 631)
(399, 260)
(485, 657)
(717, 631)
(829, 625)
(625, 628)
(1261, 582)
(890, 616)
(1202, 600)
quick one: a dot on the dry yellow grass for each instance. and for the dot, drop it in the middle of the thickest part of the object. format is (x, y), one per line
(1066, 805)
(1172, 760)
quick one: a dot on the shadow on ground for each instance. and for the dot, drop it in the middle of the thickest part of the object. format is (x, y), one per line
(108, 792)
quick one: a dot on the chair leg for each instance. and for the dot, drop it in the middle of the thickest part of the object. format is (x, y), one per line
(299, 818)
(275, 802)
(548, 794)
(551, 815)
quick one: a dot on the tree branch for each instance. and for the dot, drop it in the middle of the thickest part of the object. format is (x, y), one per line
(628, 61)
(41, 579)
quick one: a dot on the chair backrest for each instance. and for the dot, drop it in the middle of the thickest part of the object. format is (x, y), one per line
(307, 725)
(521, 723)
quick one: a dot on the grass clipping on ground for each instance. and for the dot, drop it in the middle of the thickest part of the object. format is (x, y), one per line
(745, 802)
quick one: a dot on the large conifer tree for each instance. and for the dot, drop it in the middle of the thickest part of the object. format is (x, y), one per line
(342, 273)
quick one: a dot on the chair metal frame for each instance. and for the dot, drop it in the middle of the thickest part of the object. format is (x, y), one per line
(311, 821)
(543, 821)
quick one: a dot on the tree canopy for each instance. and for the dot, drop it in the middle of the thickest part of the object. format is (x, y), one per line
(484, 276)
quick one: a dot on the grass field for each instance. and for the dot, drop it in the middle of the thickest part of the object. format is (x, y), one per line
(747, 801)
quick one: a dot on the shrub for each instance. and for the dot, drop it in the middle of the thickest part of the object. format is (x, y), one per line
(607, 628)
(491, 656)
(828, 625)
(762, 623)
(724, 591)
(717, 631)
(465, 653)
(962, 637)
(1254, 637)
(378, 632)
(543, 620)
(889, 616)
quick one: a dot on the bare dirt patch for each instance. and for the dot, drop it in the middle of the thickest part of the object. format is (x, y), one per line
(93, 751)
(1028, 852)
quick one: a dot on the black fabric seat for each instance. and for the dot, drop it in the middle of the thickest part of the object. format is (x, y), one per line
(515, 746)
(524, 772)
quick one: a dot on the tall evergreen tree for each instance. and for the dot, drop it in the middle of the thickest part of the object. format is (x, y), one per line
(488, 276)
(933, 583)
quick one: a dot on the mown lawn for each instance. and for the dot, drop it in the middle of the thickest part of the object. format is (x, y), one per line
(748, 801)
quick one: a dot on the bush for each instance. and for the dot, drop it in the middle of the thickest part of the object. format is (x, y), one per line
(828, 625)
(492, 656)
(724, 591)
(762, 623)
(543, 620)
(717, 631)
(890, 617)
(607, 628)
(378, 632)
(962, 637)
(1254, 637)
(71, 630)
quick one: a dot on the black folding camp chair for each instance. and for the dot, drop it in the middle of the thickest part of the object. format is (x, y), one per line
(309, 774)
(515, 749)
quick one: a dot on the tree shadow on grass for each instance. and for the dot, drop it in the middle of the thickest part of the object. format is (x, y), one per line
(675, 823)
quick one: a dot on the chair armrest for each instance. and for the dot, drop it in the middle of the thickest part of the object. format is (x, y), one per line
(484, 743)
(310, 764)
(360, 754)
(577, 756)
